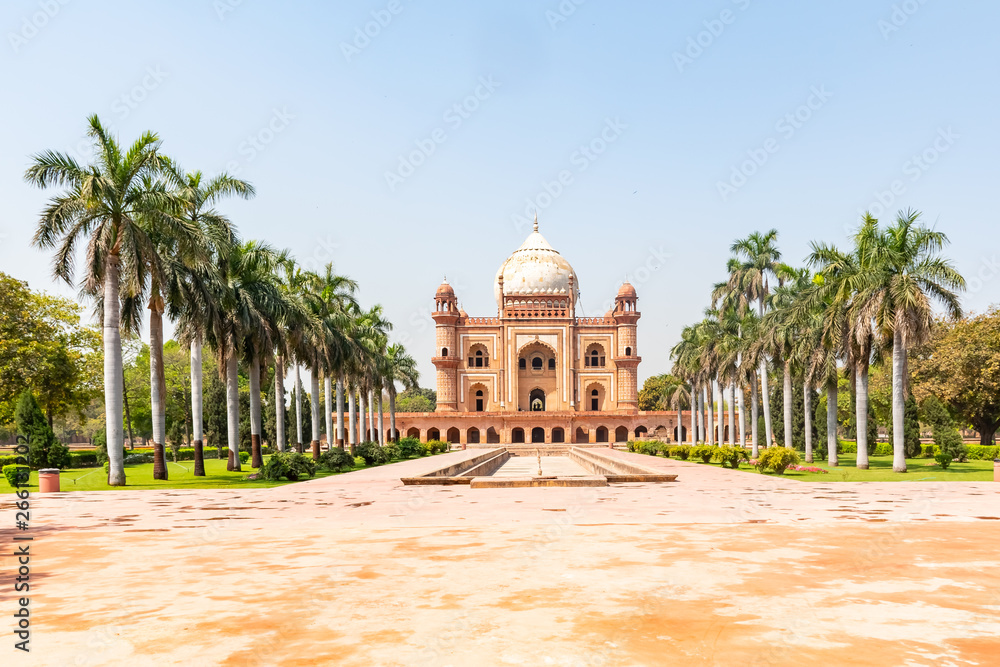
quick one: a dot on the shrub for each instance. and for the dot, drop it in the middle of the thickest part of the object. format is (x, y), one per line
(943, 459)
(949, 442)
(730, 457)
(777, 459)
(704, 452)
(847, 447)
(681, 451)
(631, 444)
(42, 443)
(11, 460)
(982, 452)
(136, 459)
(439, 446)
(16, 474)
(649, 447)
(359, 462)
(289, 465)
(372, 453)
(929, 450)
(409, 447)
(82, 459)
(425, 449)
(244, 456)
(336, 460)
(883, 449)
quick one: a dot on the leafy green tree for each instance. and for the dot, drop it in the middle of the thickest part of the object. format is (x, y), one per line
(44, 451)
(417, 399)
(961, 366)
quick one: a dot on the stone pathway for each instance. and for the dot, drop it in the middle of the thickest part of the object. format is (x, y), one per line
(720, 567)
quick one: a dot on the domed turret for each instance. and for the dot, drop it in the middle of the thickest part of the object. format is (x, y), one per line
(536, 268)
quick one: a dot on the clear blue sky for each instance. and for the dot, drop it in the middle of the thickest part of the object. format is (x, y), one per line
(331, 121)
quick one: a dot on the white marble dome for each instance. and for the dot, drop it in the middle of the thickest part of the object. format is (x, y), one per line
(536, 268)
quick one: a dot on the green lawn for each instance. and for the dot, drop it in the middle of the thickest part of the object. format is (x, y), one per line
(141, 477)
(880, 470)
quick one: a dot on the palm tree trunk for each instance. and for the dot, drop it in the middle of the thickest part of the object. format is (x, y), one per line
(898, 436)
(362, 417)
(694, 412)
(731, 399)
(680, 419)
(392, 414)
(328, 409)
(831, 422)
(314, 410)
(702, 426)
(352, 426)
(114, 378)
(340, 411)
(157, 387)
(298, 407)
(371, 416)
(861, 415)
(233, 410)
(256, 460)
(786, 396)
(128, 414)
(767, 403)
(741, 413)
(754, 416)
(279, 402)
(719, 401)
(807, 409)
(710, 413)
(381, 421)
(197, 408)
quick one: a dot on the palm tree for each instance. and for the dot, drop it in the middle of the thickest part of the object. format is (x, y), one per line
(756, 260)
(197, 199)
(905, 274)
(251, 308)
(781, 329)
(104, 202)
(398, 367)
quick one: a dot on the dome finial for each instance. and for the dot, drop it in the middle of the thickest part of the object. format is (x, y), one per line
(536, 221)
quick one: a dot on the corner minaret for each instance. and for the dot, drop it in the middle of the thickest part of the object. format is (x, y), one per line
(447, 356)
(626, 315)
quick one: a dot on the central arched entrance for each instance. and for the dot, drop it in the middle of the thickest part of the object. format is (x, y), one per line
(538, 434)
(536, 400)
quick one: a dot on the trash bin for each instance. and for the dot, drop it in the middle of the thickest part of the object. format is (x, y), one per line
(48, 480)
(996, 470)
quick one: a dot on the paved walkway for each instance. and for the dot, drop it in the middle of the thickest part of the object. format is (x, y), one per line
(528, 466)
(720, 567)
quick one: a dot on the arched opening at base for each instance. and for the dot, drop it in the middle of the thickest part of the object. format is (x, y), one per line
(538, 435)
(580, 437)
(517, 435)
(621, 434)
(433, 434)
(602, 434)
(492, 437)
(558, 435)
(472, 436)
(453, 436)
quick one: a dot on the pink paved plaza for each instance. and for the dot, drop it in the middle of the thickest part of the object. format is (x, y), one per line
(718, 568)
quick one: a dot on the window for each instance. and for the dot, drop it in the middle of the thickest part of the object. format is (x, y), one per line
(552, 364)
(479, 402)
(594, 401)
(479, 358)
(444, 352)
(628, 352)
(522, 364)
(536, 363)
